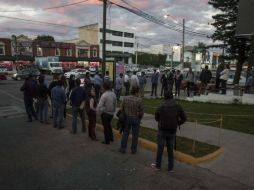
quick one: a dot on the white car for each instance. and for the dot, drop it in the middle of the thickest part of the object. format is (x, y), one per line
(230, 80)
(75, 72)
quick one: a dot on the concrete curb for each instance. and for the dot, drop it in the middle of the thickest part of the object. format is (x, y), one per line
(182, 157)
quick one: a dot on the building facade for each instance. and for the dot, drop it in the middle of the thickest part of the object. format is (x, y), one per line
(5, 47)
(120, 44)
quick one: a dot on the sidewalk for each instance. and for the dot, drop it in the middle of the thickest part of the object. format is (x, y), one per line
(236, 162)
(38, 156)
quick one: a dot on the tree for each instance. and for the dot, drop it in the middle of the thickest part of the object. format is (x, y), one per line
(150, 59)
(201, 48)
(45, 38)
(225, 25)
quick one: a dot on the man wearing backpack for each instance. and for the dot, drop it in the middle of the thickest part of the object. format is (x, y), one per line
(169, 115)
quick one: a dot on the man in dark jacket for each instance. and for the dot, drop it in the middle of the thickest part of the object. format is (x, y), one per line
(29, 89)
(78, 98)
(205, 78)
(169, 115)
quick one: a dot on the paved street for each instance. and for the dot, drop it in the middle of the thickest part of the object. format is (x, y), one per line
(37, 156)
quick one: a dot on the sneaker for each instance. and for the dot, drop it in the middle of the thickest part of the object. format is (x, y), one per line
(153, 165)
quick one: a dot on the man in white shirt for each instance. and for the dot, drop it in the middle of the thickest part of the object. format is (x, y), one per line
(134, 80)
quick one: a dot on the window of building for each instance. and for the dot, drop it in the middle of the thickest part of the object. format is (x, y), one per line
(107, 30)
(107, 41)
(39, 51)
(128, 35)
(128, 44)
(117, 43)
(116, 33)
(2, 48)
(82, 52)
(57, 52)
(95, 54)
(69, 52)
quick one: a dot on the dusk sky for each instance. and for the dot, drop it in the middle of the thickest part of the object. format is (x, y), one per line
(196, 12)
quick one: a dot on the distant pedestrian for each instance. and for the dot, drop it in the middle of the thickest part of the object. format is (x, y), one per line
(65, 86)
(97, 85)
(106, 108)
(29, 89)
(71, 84)
(169, 115)
(107, 77)
(119, 86)
(51, 86)
(58, 98)
(42, 99)
(190, 81)
(164, 83)
(133, 108)
(218, 80)
(205, 77)
(178, 82)
(224, 77)
(91, 104)
(127, 83)
(77, 100)
(134, 81)
(154, 80)
(88, 82)
(142, 84)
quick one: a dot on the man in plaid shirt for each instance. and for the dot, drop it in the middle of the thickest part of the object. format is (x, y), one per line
(134, 109)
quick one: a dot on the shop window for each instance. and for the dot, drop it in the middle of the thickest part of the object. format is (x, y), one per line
(69, 52)
(95, 52)
(57, 52)
(2, 48)
(39, 51)
(82, 52)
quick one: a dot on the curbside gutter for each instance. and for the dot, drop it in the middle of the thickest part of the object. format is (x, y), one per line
(181, 157)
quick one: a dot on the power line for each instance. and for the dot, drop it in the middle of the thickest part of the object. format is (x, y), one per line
(49, 8)
(155, 20)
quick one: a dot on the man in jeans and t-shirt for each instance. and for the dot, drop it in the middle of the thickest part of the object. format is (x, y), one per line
(169, 115)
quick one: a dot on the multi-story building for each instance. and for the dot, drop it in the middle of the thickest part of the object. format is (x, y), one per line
(5, 47)
(120, 44)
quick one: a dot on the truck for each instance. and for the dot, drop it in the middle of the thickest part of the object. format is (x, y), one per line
(50, 65)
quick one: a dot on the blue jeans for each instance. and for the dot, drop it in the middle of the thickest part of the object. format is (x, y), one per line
(43, 110)
(75, 112)
(58, 116)
(169, 138)
(132, 123)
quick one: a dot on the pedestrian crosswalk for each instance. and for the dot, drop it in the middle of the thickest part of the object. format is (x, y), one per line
(11, 112)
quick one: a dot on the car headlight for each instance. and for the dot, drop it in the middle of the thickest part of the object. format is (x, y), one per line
(15, 74)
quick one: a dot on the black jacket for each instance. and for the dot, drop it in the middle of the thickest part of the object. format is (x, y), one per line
(170, 115)
(29, 88)
(205, 76)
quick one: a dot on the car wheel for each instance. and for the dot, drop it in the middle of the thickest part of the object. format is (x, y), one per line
(18, 78)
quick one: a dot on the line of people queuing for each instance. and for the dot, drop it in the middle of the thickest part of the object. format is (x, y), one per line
(83, 99)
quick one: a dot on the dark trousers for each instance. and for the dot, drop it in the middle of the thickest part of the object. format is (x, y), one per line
(190, 86)
(92, 123)
(127, 88)
(169, 138)
(223, 86)
(178, 88)
(75, 112)
(118, 93)
(97, 89)
(217, 84)
(163, 89)
(106, 122)
(154, 89)
(30, 108)
(132, 123)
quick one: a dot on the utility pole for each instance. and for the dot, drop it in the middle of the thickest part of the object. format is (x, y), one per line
(136, 53)
(183, 42)
(104, 37)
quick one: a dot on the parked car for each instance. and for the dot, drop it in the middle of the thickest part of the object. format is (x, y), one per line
(3, 73)
(23, 74)
(75, 72)
(230, 80)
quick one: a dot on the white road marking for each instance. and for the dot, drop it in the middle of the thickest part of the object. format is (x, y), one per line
(10, 95)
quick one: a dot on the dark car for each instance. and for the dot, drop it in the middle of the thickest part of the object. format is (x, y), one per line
(22, 74)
